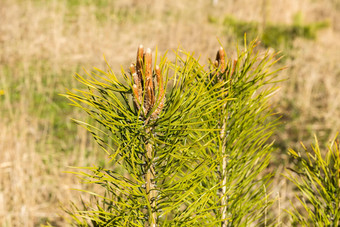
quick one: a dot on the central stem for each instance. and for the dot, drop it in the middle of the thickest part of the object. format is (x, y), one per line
(150, 184)
(224, 199)
(220, 64)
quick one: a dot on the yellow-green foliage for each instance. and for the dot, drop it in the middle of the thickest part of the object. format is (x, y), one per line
(316, 174)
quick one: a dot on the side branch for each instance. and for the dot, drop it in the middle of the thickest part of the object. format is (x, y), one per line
(220, 63)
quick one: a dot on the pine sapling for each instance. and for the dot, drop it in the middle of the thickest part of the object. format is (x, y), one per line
(241, 151)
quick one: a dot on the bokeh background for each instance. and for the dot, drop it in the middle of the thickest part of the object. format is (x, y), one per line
(44, 42)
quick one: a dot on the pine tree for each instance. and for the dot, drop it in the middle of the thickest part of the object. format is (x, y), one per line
(187, 145)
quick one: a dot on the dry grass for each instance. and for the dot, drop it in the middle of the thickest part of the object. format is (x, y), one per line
(43, 43)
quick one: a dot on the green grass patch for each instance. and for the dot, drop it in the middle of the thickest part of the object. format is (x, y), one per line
(35, 90)
(277, 36)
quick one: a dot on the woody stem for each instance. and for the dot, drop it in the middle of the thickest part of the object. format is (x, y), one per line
(224, 199)
(150, 184)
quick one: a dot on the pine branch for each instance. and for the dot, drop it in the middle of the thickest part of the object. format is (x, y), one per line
(144, 87)
(316, 174)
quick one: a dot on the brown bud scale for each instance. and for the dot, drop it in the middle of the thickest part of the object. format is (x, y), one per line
(142, 72)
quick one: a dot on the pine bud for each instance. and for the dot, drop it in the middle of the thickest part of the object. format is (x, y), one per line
(220, 58)
(142, 72)
(149, 95)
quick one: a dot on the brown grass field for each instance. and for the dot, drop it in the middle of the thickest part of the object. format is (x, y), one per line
(43, 43)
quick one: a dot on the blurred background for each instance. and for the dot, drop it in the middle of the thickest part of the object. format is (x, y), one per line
(44, 42)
